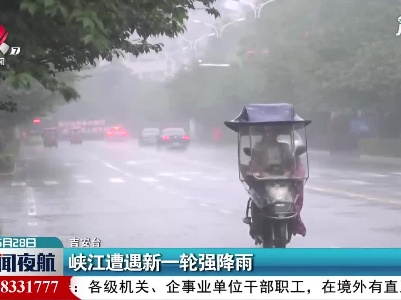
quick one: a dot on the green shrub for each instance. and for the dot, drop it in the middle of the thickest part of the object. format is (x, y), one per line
(7, 163)
(34, 140)
(9, 156)
(380, 147)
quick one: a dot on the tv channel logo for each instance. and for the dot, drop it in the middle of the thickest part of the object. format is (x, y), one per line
(4, 48)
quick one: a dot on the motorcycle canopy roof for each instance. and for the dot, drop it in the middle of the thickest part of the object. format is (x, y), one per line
(267, 114)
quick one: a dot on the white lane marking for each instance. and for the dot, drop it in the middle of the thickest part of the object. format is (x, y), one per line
(32, 223)
(396, 173)
(184, 178)
(191, 173)
(166, 174)
(160, 187)
(173, 192)
(353, 181)
(360, 182)
(171, 174)
(376, 175)
(111, 166)
(223, 211)
(116, 180)
(50, 182)
(71, 164)
(149, 179)
(189, 197)
(18, 184)
(204, 204)
(353, 195)
(31, 202)
(213, 178)
(136, 162)
(84, 181)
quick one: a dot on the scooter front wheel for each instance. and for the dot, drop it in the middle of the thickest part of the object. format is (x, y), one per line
(281, 234)
(267, 244)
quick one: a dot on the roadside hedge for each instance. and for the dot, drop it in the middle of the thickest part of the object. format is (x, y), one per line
(9, 156)
(380, 147)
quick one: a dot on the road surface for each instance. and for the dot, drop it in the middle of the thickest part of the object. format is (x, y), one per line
(132, 197)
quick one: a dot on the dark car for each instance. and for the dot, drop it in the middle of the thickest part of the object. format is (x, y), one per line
(116, 134)
(173, 138)
(50, 139)
(149, 137)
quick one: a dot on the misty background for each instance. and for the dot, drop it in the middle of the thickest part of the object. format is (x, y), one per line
(336, 65)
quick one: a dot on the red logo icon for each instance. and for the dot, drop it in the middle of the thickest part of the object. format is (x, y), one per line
(3, 36)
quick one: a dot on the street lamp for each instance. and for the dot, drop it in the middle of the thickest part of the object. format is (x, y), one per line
(195, 42)
(169, 56)
(257, 8)
(219, 30)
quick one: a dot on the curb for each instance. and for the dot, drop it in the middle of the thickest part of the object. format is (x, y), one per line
(380, 159)
(357, 157)
(11, 173)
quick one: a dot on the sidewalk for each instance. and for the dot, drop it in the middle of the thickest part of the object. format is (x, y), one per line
(356, 157)
(231, 149)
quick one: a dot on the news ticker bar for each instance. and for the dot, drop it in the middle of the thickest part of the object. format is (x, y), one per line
(28, 256)
(206, 287)
(232, 262)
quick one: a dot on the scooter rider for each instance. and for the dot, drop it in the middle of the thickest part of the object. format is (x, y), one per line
(270, 152)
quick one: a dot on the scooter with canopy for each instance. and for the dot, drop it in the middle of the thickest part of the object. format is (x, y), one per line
(273, 167)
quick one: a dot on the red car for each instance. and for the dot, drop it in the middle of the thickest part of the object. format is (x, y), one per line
(116, 134)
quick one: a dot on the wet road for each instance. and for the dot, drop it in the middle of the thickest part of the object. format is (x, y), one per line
(131, 197)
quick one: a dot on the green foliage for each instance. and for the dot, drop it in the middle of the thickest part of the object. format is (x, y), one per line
(380, 147)
(7, 163)
(8, 156)
(57, 36)
(323, 55)
(26, 104)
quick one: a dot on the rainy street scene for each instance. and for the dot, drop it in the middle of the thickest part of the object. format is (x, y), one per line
(228, 123)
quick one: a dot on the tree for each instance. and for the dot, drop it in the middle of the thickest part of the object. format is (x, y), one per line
(322, 55)
(71, 35)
